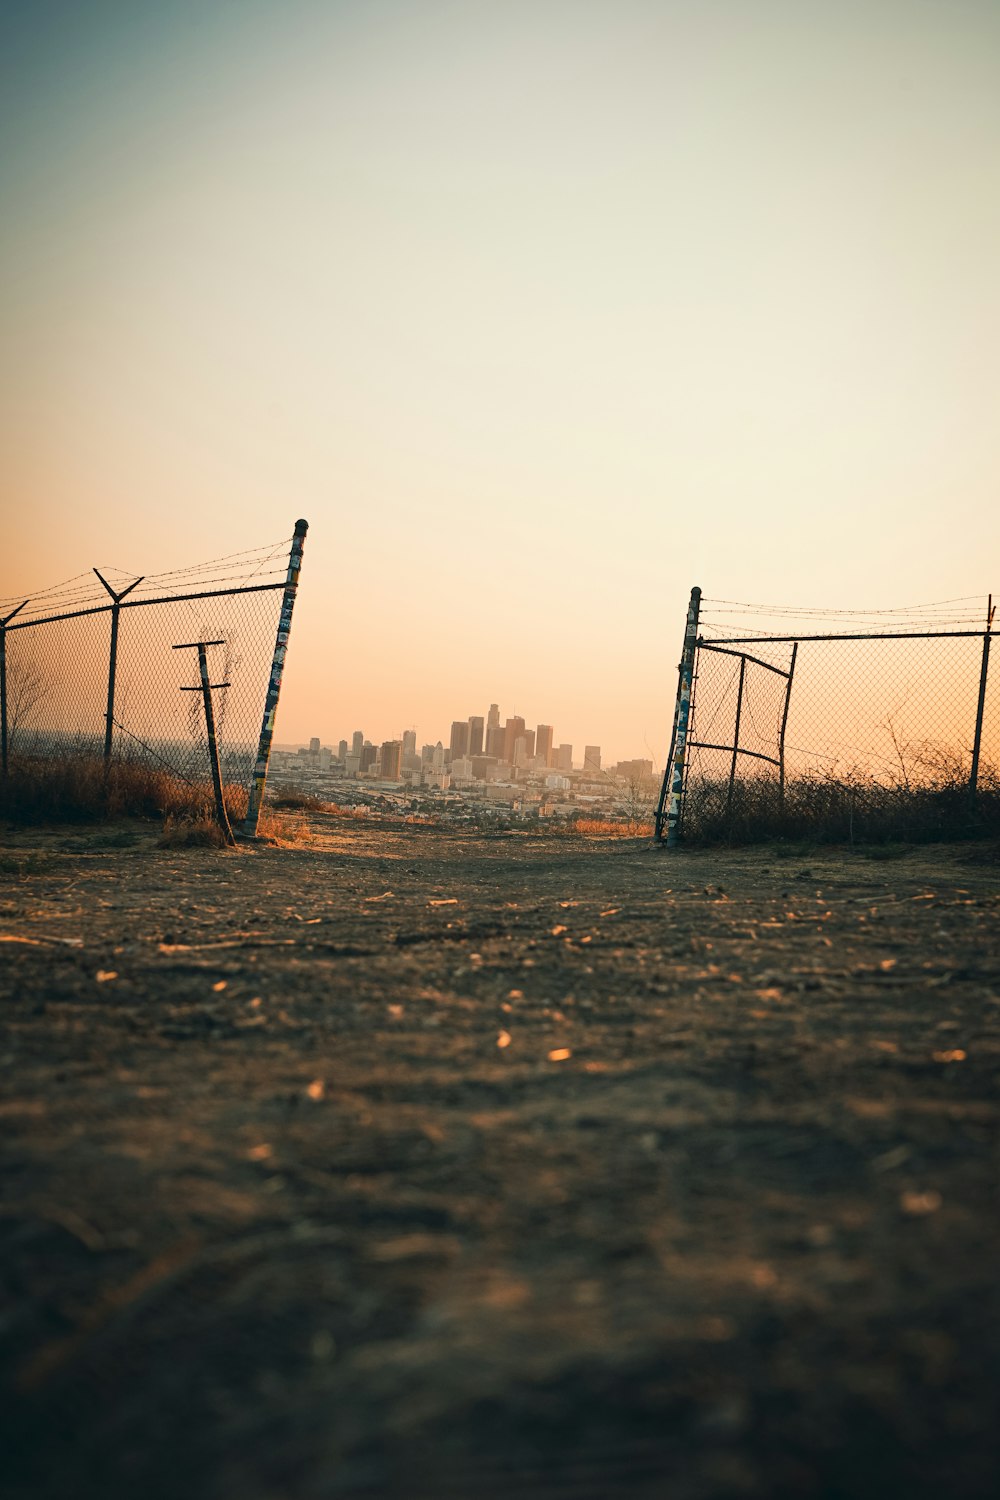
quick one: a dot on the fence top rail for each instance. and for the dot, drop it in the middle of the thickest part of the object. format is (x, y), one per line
(863, 635)
(706, 645)
(104, 609)
(733, 749)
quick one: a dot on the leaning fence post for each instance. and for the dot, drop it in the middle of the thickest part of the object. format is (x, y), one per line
(205, 688)
(784, 724)
(977, 741)
(3, 682)
(255, 800)
(673, 776)
(736, 743)
(109, 718)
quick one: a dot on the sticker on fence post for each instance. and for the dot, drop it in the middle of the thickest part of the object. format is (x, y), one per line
(673, 776)
(255, 800)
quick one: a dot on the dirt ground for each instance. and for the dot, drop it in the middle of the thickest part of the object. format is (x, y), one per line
(404, 1163)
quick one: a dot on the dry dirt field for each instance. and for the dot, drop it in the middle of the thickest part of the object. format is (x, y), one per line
(403, 1163)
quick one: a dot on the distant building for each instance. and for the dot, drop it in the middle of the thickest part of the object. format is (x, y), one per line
(392, 760)
(557, 782)
(591, 758)
(357, 741)
(459, 738)
(564, 758)
(409, 742)
(367, 757)
(314, 746)
(512, 732)
(481, 765)
(634, 770)
(493, 717)
(461, 768)
(543, 742)
(476, 736)
(342, 750)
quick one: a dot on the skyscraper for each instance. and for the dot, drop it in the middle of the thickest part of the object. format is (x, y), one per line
(391, 760)
(591, 758)
(459, 738)
(409, 741)
(357, 742)
(476, 736)
(512, 732)
(342, 750)
(543, 742)
(564, 758)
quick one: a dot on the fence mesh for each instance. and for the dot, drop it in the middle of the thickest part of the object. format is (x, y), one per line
(841, 724)
(58, 657)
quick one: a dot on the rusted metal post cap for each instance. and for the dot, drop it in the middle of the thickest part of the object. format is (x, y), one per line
(301, 527)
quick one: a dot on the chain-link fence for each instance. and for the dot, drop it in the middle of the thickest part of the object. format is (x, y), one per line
(88, 669)
(838, 725)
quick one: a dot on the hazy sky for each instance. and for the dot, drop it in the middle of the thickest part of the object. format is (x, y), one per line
(540, 311)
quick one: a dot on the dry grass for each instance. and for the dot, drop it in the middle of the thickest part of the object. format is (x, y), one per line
(848, 809)
(609, 828)
(81, 789)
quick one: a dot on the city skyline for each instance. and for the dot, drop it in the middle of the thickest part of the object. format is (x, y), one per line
(509, 740)
(607, 752)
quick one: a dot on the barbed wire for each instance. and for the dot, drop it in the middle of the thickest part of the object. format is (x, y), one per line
(235, 569)
(721, 616)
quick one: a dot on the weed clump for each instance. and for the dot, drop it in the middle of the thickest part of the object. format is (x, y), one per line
(201, 832)
(301, 802)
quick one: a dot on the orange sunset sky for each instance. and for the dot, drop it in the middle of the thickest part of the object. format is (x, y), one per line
(539, 312)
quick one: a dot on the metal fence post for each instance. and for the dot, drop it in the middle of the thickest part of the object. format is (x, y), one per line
(205, 688)
(109, 717)
(673, 777)
(3, 682)
(255, 800)
(736, 741)
(977, 741)
(784, 724)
